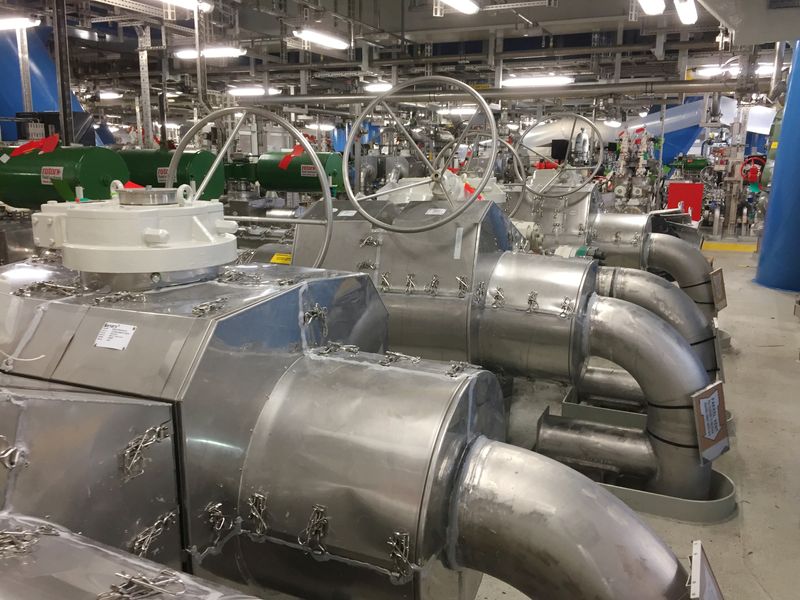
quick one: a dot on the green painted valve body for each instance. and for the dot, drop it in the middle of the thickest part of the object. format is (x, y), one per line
(149, 167)
(281, 172)
(30, 180)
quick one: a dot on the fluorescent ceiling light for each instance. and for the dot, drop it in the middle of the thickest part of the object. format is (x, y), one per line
(312, 36)
(513, 126)
(643, 113)
(304, 117)
(687, 11)
(255, 90)
(211, 52)
(273, 91)
(378, 87)
(468, 7)
(320, 126)
(709, 71)
(109, 95)
(190, 5)
(612, 123)
(113, 128)
(167, 125)
(173, 94)
(462, 111)
(96, 126)
(540, 81)
(652, 7)
(113, 116)
(18, 23)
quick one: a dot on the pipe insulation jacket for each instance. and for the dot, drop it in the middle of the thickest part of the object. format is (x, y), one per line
(669, 372)
(553, 534)
(684, 263)
(667, 301)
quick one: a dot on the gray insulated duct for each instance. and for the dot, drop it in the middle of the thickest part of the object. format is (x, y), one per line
(573, 218)
(248, 425)
(461, 292)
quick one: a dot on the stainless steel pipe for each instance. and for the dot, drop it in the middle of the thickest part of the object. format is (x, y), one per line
(666, 300)
(667, 370)
(581, 444)
(684, 263)
(548, 531)
(609, 382)
(579, 90)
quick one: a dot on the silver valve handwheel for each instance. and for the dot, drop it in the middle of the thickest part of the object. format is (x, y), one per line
(436, 174)
(327, 199)
(565, 166)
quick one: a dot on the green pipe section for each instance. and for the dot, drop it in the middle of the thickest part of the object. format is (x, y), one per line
(149, 168)
(30, 180)
(282, 172)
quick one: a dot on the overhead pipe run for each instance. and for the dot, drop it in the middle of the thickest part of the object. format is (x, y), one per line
(649, 88)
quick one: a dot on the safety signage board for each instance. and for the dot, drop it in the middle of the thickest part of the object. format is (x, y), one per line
(711, 420)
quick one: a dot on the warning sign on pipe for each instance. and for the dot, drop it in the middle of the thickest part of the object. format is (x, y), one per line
(711, 421)
(48, 174)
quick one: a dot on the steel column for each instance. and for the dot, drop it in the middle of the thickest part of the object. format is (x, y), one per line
(144, 79)
(66, 120)
(24, 69)
(779, 261)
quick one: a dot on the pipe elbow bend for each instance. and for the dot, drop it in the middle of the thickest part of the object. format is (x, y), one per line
(554, 534)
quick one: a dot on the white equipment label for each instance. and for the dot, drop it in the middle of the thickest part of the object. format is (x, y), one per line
(161, 174)
(709, 408)
(347, 213)
(115, 336)
(48, 174)
(436, 212)
(308, 171)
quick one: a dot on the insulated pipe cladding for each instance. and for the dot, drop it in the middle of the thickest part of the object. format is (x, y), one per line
(550, 541)
(665, 300)
(463, 292)
(574, 218)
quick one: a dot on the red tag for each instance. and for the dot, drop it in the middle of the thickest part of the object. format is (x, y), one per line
(129, 185)
(287, 159)
(44, 146)
(471, 190)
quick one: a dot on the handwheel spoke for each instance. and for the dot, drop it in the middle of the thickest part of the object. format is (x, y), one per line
(447, 194)
(539, 154)
(409, 138)
(458, 142)
(399, 188)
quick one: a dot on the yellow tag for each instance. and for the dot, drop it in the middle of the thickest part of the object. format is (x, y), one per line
(774, 145)
(281, 258)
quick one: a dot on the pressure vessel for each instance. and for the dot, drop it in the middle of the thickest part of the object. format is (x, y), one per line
(149, 167)
(29, 180)
(287, 172)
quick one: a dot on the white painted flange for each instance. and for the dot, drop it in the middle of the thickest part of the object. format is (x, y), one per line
(106, 237)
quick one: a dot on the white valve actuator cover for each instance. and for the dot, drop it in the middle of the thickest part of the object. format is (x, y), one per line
(106, 237)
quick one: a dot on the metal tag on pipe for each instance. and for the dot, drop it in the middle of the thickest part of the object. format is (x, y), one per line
(711, 420)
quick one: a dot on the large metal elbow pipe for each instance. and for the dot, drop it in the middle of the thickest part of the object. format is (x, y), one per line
(554, 534)
(667, 301)
(686, 265)
(669, 372)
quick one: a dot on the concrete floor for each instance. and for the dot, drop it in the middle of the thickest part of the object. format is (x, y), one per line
(756, 553)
